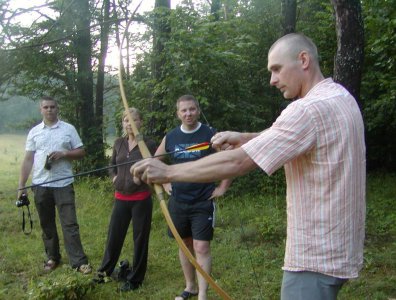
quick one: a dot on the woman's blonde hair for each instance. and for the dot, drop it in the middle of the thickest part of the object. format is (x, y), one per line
(132, 110)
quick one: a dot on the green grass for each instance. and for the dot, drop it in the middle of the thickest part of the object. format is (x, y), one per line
(247, 250)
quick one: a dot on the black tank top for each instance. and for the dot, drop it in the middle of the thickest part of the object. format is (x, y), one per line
(179, 140)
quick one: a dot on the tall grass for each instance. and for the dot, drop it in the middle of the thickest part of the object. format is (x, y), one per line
(247, 249)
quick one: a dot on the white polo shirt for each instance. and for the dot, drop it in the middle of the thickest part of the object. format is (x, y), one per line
(43, 140)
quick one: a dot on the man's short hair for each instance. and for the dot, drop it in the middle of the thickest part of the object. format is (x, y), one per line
(187, 98)
(48, 98)
(294, 43)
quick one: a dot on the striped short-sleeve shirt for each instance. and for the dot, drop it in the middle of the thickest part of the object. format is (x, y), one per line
(319, 139)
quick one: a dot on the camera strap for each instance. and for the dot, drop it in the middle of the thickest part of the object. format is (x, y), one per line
(24, 221)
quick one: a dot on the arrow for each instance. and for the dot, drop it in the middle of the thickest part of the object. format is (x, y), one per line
(197, 147)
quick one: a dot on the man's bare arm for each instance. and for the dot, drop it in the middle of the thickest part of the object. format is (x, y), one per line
(218, 166)
(73, 154)
(26, 168)
(161, 149)
(228, 140)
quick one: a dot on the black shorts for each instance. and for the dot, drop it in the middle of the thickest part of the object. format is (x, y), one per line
(194, 220)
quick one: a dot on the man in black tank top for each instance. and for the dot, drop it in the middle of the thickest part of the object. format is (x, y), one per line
(191, 205)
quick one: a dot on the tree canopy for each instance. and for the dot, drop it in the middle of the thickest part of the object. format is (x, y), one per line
(216, 52)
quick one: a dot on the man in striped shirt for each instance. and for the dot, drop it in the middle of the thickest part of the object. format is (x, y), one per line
(319, 139)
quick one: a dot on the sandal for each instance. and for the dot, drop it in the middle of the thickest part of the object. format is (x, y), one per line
(187, 295)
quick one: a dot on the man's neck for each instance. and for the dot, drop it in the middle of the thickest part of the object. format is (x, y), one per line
(190, 128)
(313, 80)
(50, 123)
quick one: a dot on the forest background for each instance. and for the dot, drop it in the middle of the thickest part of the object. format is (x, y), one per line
(215, 50)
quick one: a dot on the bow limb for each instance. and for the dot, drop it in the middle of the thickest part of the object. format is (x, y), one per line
(158, 188)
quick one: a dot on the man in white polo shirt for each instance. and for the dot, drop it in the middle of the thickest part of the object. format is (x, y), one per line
(50, 148)
(319, 139)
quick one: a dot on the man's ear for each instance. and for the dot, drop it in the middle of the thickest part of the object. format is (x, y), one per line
(305, 59)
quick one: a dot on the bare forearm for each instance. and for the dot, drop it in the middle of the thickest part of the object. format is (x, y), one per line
(23, 178)
(26, 168)
(73, 154)
(161, 150)
(228, 140)
(219, 166)
(215, 167)
(247, 136)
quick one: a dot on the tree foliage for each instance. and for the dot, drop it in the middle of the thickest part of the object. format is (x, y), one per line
(379, 83)
(55, 56)
(220, 62)
(215, 50)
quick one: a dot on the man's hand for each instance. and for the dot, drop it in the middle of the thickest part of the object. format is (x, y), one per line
(227, 140)
(150, 171)
(57, 155)
(20, 192)
(217, 192)
(167, 188)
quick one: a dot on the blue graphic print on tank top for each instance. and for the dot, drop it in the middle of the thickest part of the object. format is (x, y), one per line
(179, 140)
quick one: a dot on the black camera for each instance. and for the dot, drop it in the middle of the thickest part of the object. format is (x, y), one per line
(48, 162)
(22, 201)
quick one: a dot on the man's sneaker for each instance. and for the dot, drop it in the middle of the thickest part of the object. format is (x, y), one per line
(50, 265)
(84, 269)
(129, 286)
(123, 270)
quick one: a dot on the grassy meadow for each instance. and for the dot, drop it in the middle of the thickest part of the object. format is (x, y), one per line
(247, 250)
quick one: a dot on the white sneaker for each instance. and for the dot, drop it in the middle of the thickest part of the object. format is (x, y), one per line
(85, 269)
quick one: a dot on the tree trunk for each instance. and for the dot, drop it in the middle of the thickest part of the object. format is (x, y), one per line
(348, 62)
(215, 7)
(104, 42)
(161, 32)
(288, 10)
(90, 135)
